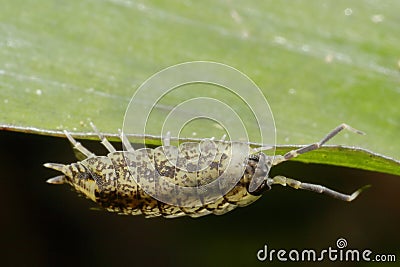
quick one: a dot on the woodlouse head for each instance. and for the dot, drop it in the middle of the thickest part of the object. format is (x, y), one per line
(258, 183)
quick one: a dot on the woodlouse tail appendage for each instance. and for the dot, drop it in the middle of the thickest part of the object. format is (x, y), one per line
(61, 179)
(76, 175)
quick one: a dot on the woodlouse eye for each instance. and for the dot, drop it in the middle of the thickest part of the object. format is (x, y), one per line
(261, 189)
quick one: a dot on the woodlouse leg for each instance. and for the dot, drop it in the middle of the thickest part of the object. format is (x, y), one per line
(223, 138)
(78, 145)
(315, 188)
(294, 153)
(167, 139)
(104, 141)
(125, 141)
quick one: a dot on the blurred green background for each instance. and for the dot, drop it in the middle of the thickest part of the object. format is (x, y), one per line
(319, 63)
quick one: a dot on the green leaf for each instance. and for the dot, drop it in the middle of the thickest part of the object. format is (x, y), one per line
(318, 63)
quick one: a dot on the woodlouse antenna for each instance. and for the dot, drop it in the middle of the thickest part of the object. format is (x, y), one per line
(294, 153)
(282, 180)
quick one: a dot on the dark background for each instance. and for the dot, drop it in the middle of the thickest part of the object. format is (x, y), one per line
(49, 225)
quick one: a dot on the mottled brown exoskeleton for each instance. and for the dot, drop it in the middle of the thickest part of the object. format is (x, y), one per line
(108, 181)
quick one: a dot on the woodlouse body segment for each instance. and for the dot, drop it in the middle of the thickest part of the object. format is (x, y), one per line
(194, 179)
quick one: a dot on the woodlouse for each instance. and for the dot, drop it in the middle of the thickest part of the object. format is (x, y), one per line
(107, 180)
